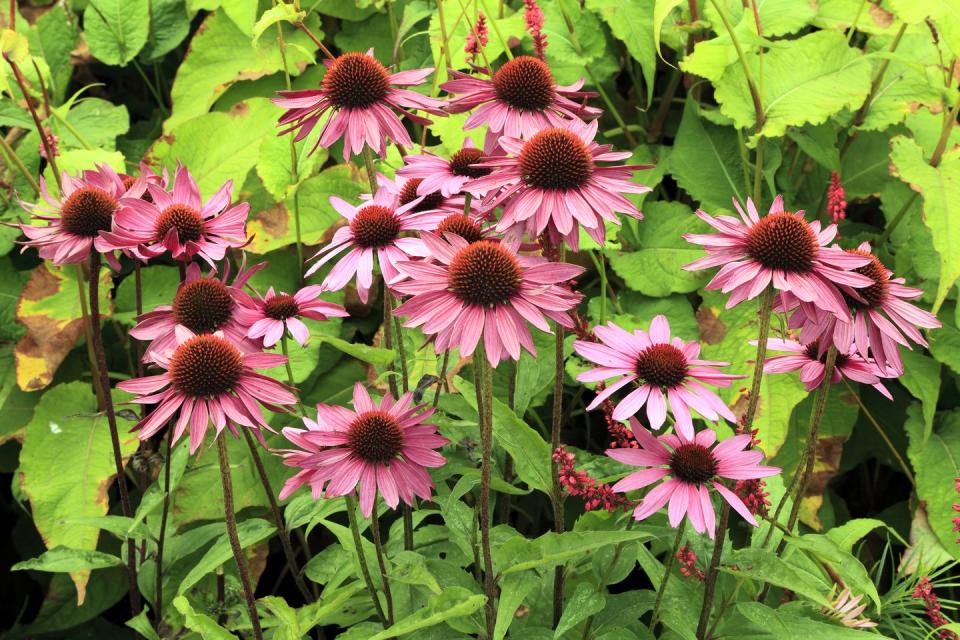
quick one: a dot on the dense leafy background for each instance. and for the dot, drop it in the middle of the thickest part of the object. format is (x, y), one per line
(190, 80)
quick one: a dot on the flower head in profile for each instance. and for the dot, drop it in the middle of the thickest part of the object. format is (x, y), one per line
(554, 182)
(270, 316)
(383, 449)
(374, 230)
(811, 361)
(662, 368)
(207, 379)
(780, 249)
(691, 468)
(74, 221)
(179, 222)
(446, 176)
(518, 100)
(363, 97)
(468, 291)
(203, 304)
(883, 319)
(847, 609)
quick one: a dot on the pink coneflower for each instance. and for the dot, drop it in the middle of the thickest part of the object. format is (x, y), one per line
(484, 289)
(405, 190)
(810, 360)
(442, 175)
(691, 466)
(518, 100)
(477, 38)
(208, 379)
(361, 93)
(375, 228)
(554, 183)
(847, 609)
(882, 317)
(781, 249)
(663, 367)
(179, 222)
(76, 220)
(203, 305)
(268, 317)
(385, 449)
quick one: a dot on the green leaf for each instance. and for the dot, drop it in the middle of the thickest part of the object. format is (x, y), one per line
(116, 30)
(852, 531)
(945, 346)
(706, 161)
(454, 602)
(411, 568)
(940, 188)
(822, 548)
(777, 624)
(280, 13)
(834, 77)
(585, 601)
(633, 23)
(520, 554)
(514, 589)
(157, 284)
(169, 26)
(120, 526)
(97, 121)
(54, 38)
(530, 452)
(200, 622)
(921, 377)
(250, 532)
(764, 566)
(655, 266)
(936, 461)
(62, 559)
(67, 466)
(661, 9)
(363, 352)
(141, 624)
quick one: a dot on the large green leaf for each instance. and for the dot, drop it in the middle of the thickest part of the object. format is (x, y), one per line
(921, 377)
(632, 22)
(550, 549)
(249, 532)
(62, 559)
(940, 188)
(67, 467)
(203, 624)
(833, 77)
(454, 602)
(116, 30)
(169, 25)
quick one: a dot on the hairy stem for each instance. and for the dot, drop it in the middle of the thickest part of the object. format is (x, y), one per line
(362, 558)
(484, 389)
(164, 516)
(667, 570)
(883, 435)
(556, 495)
(378, 545)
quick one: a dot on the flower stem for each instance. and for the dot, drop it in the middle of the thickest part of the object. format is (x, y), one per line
(388, 339)
(407, 514)
(883, 434)
(401, 348)
(291, 558)
(557, 496)
(378, 545)
(362, 558)
(751, 85)
(231, 520)
(602, 268)
(443, 378)
(710, 581)
(371, 170)
(668, 569)
(484, 389)
(164, 515)
(617, 552)
(294, 164)
(138, 292)
(284, 349)
(13, 159)
(315, 40)
(88, 334)
(44, 140)
(101, 360)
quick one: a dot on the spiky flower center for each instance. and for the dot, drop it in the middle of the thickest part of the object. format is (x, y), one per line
(184, 219)
(281, 307)
(376, 437)
(556, 159)
(485, 274)
(356, 80)
(662, 365)
(461, 163)
(205, 366)
(375, 226)
(693, 463)
(203, 305)
(462, 226)
(525, 83)
(88, 211)
(783, 241)
(409, 193)
(813, 352)
(873, 295)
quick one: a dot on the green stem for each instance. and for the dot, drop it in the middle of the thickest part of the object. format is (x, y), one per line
(231, 520)
(758, 173)
(362, 558)
(284, 350)
(443, 378)
(668, 569)
(602, 268)
(294, 163)
(388, 340)
(751, 85)
(484, 390)
(897, 219)
(14, 159)
(496, 30)
(378, 545)
(164, 515)
(557, 496)
(445, 46)
(883, 435)
(605, 578)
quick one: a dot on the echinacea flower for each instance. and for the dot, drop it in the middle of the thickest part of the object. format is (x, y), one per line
(383, 449)
(781, 249)
(406, 190)
(363, 96)
(662, 368)
(77, 218)
(518, 100)
(882, 317)
(555, 182)
(447, 176)
(484, 289)
(374, 229)
(179, 222)
(208, 379)
(270, 316)
(847, 610)
(811, 361)
(203, 305)
(691, 466)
